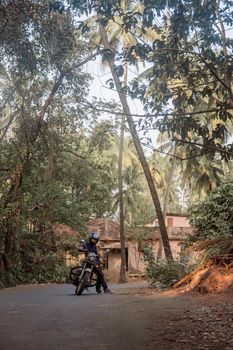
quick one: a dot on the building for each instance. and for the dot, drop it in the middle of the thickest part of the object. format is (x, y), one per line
(63, 233)
(109, 231)
(178, 228)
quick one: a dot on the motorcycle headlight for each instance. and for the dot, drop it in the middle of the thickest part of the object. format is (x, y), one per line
(91, 257)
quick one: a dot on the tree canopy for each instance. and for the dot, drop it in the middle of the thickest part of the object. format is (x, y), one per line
(58, 158)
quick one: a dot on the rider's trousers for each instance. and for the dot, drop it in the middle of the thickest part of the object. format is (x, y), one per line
(100, 279)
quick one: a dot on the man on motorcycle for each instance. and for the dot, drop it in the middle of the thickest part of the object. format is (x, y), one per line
(91, 247)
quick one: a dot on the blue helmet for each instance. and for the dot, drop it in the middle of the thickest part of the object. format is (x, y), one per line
(94, 235)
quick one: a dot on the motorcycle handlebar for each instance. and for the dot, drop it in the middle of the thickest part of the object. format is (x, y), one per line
(83, 250)
(86, 251)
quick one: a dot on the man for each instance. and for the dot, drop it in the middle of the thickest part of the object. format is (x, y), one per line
(91, 247)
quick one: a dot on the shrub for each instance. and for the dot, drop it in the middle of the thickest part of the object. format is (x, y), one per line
(212, 220)
(163, 274)
(39, 259)
(213, 217)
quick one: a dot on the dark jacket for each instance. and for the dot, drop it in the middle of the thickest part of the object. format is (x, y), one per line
(92, 249)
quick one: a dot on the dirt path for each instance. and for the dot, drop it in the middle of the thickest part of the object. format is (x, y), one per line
(52, 317)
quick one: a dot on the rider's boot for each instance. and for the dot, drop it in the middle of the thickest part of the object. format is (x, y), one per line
(98, 288)
(107, 290)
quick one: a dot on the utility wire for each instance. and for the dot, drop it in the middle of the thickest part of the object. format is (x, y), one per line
(173, 114)
(207, 147)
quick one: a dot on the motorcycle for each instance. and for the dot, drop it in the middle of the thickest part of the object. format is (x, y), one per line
(83, 276)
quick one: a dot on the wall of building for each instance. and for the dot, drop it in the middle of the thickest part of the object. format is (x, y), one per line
(136, 255)
(114, 260)
(178, 229)
(135, 258)
(177, 221)
(108, 229)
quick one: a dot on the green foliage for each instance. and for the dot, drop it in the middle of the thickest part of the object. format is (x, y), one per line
(35, 34)
(213, 218)
(58, 161)
(39, 258)
(162, 274)
(48, 194)
(52, 163)
(190, 58)
(51, 270)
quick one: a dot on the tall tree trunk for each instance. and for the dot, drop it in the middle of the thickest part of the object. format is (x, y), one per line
(8, 246)
(138, 147)
(190, 190)
(166, 199)
(2, 267)
(122, 278)
(7, 224)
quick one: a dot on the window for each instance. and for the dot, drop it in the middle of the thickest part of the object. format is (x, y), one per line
(170, 222)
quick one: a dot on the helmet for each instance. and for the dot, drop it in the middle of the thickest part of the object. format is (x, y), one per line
(94, 235)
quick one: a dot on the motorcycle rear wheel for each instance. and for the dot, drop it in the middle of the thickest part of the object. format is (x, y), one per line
(83, 283)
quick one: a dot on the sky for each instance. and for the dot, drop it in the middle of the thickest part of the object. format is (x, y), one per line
(100, 89)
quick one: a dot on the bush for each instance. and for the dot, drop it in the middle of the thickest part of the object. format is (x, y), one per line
(39, 259)
(212, 220)
(163, 274)
(213, 217)
(51, 270)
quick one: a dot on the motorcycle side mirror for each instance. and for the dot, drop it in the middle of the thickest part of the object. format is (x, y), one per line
(83, 242)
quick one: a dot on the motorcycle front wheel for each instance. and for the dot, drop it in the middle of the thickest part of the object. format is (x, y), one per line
(83, 283)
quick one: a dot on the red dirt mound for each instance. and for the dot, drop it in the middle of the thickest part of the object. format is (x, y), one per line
(210, 279)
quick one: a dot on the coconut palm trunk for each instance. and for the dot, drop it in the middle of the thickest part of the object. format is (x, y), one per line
(122, 278)
(138, 146)
(166, 199)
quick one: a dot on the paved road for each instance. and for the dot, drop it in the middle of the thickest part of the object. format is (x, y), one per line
(44, 317)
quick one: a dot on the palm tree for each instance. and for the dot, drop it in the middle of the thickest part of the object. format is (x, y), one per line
(132, 191)
(209, 175)
(137, 143)
(164, 179)
(112, 36)
(117, 36)
(199, 174)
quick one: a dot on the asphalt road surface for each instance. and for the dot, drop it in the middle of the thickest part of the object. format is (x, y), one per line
(44, 317)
